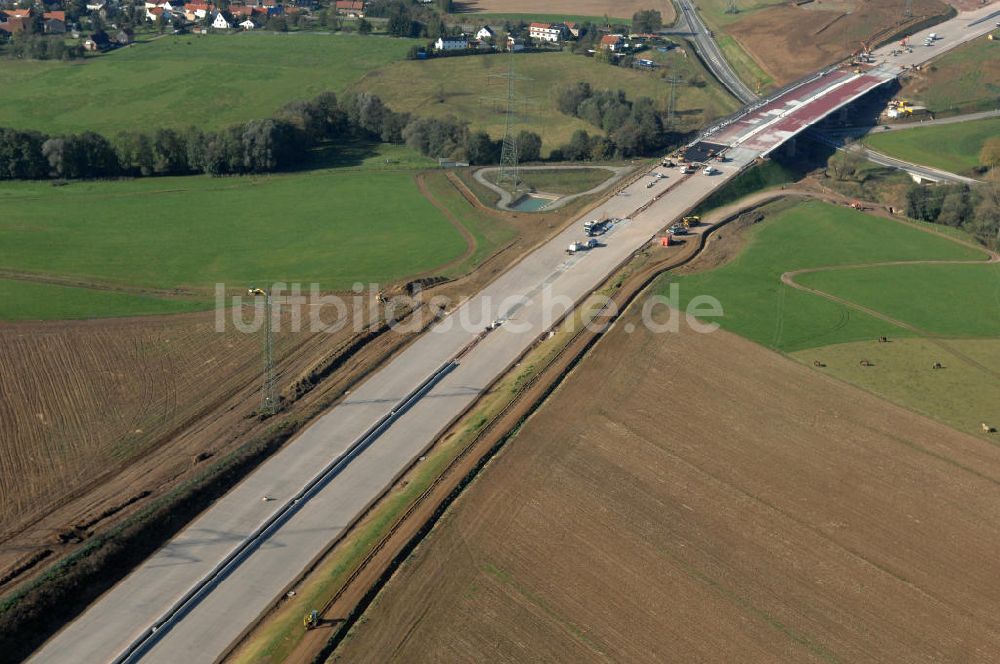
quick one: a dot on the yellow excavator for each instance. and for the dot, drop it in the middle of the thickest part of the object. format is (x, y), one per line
(311, 619)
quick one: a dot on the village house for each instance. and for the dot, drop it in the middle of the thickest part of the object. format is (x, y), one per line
(12, 25)
(220, 22)
(451, 43)
(55, 22)
(486, 33)
(547, 32)
(124, 37)
(351, 8)
(514, 44)
(248, 25)
(613, 43)
(197, 12)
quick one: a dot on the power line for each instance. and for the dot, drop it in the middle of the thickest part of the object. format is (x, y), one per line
(268, 388)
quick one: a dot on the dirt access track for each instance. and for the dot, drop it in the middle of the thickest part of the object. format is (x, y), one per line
(696, 497)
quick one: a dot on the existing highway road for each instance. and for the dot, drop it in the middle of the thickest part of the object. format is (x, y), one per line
(191, 599)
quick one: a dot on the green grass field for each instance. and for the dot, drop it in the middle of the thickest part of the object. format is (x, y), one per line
(562, 181)
(965, 79)
(192, 232)
(713, 12)
(27, 300)
(946, 300)
(952, 147)
(209, 81)
(463, 87)
(812, 234)
(961, 395)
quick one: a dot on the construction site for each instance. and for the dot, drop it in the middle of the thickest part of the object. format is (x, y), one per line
(461, 491)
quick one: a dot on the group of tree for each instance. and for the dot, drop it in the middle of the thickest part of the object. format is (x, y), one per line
(974, 209)
(632, 128)
(32, 43)
(28, 46)
(647, 21)
(257, 146)
(410, 18)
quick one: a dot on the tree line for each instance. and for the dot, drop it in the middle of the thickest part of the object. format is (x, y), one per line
(258, 146)
(975, 209)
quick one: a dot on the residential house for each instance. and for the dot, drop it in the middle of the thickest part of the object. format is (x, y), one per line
(98, 41)
(220, 22)
(196, 11)
(547, 32)
(242, 11)
(613, 43)
(248, 25)
(12, 25)
(17, 13)
(515, 43)
(351, 8)
(124, 37)
(96, 5)
(55, 22)
(574, 29)
(486, 33)
(451, 43)
(154, 14)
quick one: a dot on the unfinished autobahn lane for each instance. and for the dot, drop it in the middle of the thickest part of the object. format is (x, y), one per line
(194, 597)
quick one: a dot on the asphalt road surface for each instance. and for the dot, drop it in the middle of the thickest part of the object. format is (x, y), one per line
(202, 629)
(708, 49)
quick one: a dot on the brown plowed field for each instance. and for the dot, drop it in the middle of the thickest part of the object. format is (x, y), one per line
(595, 8)
(83, 399)
(790, 41)
(699, 498)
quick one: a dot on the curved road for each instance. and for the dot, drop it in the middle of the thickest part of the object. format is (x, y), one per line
(711, 54)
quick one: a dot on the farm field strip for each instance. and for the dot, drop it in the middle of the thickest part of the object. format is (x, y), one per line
(780, 516)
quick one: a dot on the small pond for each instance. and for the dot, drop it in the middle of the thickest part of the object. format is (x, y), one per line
(532, 203)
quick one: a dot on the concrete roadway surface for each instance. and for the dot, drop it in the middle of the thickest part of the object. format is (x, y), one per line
(204, 630)
(233, 597)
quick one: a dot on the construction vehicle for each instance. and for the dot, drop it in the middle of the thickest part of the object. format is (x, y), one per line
(692, 220)
(311, 620)
(256, 291)
(596, 227)
(667, 162)
(687, 168)
(677, 229)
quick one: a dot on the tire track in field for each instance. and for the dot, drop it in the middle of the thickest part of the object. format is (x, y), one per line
(788, 279)
(470, 241)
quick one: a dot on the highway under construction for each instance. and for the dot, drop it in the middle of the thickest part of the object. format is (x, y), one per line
(196, 595)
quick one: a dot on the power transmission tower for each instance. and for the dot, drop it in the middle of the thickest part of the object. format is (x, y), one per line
(908, 11)
(673, 80)
(511, 101)
(268, 396)
(731, 8)
(508, 152)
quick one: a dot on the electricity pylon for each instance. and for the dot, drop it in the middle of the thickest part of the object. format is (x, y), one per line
(508, 151)
(268, 391)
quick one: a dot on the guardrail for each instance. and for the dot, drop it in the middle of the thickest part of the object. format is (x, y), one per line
(190, 599)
